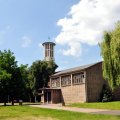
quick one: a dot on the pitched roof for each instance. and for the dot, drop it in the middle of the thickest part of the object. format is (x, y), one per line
(74, 69)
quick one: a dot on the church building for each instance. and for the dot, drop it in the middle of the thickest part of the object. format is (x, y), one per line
(79, 84)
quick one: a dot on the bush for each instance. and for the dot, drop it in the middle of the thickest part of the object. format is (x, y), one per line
(106, 94)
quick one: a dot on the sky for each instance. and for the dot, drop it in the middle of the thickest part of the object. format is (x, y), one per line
(76, 26)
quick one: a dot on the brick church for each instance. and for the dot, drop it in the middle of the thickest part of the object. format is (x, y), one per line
(79, 84)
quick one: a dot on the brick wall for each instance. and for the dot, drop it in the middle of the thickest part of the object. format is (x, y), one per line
(74, 93)
(56, 96)
(116, 94)
(94, 82)
(89, 91)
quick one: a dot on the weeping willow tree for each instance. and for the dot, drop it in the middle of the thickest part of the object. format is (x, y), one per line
(110, 51)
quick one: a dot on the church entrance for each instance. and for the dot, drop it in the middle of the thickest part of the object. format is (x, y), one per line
(47, 97)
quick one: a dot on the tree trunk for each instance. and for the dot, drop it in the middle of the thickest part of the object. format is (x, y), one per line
(30, 99)
(35, 99)
(12, 101)
(5, 104)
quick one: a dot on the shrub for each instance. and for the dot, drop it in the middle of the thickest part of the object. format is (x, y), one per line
(106, 94)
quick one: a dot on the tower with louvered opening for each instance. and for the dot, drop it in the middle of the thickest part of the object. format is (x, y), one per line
(48, 51)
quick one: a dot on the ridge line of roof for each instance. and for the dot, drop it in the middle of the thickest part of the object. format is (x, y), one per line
(75, 69)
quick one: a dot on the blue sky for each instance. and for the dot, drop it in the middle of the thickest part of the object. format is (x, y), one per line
(75, 26)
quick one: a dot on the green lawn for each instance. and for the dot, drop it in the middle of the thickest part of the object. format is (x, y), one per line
(29, 113)
(99, 105)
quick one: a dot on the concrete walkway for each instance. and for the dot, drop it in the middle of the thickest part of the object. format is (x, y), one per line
(83, 110)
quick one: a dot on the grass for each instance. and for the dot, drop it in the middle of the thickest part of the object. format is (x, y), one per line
(24, 103)
(29, 113)
(98, 105)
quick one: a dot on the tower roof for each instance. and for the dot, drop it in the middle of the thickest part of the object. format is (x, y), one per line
(48, 43)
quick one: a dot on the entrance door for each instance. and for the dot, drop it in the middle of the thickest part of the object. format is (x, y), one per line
(47, 97)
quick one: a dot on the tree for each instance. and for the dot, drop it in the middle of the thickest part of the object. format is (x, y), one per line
(4, 87)
(39, 73)
(12, 82)
(110, 51)
(7, 64)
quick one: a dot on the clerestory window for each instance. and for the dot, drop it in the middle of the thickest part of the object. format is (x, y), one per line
(65, 80)
(55, 82)
(78, 78)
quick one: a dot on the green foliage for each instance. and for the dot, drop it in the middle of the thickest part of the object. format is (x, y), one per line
(39, 73)
(106, 94)
(19, 82)
(4, 75)
(110, 51)
(12, 77)
(4, 84)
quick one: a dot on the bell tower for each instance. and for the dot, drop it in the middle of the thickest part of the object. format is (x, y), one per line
(49, 51)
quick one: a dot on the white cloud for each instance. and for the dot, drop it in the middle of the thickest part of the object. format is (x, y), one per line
(26, 41)
(75, 49)
(85, 24)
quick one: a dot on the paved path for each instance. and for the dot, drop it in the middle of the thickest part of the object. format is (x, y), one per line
(83, 110)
